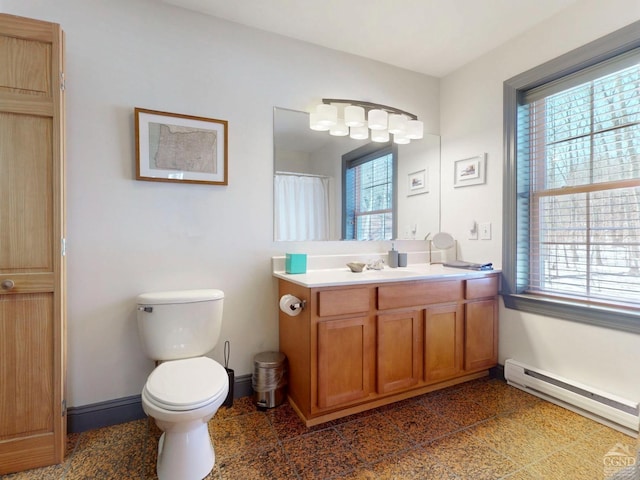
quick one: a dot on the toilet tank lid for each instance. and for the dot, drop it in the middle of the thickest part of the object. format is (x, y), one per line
(180, 296)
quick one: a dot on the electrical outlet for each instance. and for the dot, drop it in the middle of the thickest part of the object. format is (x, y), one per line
(485, 231)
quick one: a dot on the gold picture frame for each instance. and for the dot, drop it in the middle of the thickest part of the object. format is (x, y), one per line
(172, 147)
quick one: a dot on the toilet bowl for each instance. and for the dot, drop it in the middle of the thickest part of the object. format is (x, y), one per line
(186, 388)
(182, 396)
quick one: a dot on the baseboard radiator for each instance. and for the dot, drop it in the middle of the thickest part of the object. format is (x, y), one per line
(616, 412)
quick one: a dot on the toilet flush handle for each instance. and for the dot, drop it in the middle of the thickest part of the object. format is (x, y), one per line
(145, 309)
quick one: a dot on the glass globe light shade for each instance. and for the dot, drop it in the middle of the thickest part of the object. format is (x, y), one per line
(379, 135)
(314, 125)
(327, 115)
(359, 133)
(339, 129)
(377, 119)
(354, 116)
(397, 123)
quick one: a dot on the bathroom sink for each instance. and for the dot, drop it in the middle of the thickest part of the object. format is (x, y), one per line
(394, 273)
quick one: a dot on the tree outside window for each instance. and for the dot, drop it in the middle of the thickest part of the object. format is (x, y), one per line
(571, 246)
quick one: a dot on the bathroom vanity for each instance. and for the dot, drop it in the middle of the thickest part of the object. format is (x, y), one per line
(368, 339)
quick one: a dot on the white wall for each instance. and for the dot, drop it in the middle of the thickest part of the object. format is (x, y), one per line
(471, 123)
(419, 214)
(126, 237)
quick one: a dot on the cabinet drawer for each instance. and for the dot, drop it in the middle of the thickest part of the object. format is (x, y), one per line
(343, 301)
(424, 293)
(481, 287)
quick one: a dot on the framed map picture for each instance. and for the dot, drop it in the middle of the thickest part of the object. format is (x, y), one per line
(180, 148)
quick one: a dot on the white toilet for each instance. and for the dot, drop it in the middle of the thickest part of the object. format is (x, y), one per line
(186, 389)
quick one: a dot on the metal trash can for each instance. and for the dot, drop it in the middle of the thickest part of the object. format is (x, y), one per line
(269, 379)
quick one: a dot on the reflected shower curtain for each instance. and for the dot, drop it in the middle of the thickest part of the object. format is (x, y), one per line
(301, 207)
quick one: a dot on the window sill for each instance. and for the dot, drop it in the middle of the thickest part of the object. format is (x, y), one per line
(618, 319)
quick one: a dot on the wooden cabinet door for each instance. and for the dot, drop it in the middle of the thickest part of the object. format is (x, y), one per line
(345, 350)
(32, 411)
(443, 342)
(481, 334)
(399, 351)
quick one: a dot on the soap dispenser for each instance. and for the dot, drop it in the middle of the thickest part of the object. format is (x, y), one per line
(393, 257)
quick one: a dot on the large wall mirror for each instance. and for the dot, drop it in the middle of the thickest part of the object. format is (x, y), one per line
(311, 204)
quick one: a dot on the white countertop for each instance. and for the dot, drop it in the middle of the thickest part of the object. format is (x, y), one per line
(343, 276)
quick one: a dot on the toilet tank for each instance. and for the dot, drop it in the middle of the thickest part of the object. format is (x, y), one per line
(179, 324)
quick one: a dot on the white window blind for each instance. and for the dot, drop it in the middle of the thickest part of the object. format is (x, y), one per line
(369, 197)
(578, 184)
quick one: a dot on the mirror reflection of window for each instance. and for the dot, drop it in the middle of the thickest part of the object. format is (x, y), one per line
(369, 206)
(302, 151)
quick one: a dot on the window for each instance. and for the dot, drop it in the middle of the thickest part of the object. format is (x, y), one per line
(572, 186)
(369, 194)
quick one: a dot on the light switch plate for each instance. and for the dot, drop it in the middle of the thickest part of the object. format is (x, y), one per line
(485, 231)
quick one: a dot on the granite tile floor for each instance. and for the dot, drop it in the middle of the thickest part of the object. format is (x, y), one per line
(484, 429)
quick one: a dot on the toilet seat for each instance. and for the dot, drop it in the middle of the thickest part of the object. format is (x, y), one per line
(187, 384)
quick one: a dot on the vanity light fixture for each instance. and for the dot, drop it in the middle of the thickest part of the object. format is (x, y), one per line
(347, 117)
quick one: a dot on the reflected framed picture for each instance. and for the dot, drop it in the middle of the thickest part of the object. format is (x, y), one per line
(470, 171)
(417, 183)
(171, 147)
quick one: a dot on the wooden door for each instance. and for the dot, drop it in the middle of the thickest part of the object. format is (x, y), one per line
(443, 342)
(344, 360)
(481, 334)
(32, 332)
(399, 350)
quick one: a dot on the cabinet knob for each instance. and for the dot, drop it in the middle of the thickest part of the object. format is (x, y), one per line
(7, 284)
